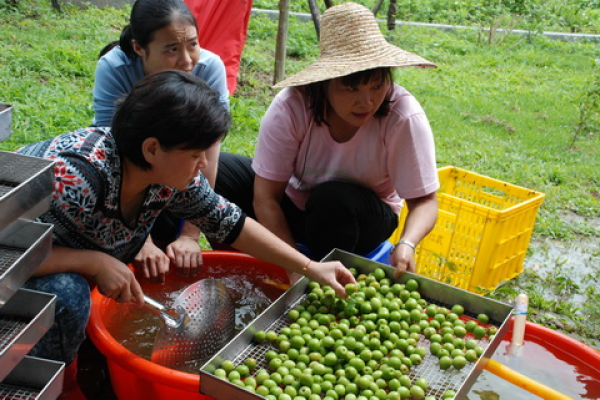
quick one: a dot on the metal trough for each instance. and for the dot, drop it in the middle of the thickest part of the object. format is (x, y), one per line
(5, 121)
(24, 319)
(275, 318)
(25, 186)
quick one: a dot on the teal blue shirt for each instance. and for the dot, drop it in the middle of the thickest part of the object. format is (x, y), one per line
(116, 73)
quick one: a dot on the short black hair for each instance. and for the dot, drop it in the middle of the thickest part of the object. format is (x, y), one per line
(179, 109)
(317, 92)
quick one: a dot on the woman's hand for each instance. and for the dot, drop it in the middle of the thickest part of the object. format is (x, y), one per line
(117, 281)
(403, 259)
(332, 273)
(114, 279)
(259, 242)
(152, 262)
(186, 254)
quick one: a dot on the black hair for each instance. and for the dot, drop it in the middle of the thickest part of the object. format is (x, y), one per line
(317, 92)
(108, 48)
(178, 109)
(148, 16)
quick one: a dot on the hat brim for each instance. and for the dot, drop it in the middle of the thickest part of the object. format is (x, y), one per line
(331, 67)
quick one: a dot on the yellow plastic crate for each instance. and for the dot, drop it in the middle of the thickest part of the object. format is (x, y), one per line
(482, 233)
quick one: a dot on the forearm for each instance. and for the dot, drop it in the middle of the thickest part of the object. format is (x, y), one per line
(421, 218)
(113, 277)
(271, 216)
(190, 230)
(259, 242)
(422, 214)
(65, 259)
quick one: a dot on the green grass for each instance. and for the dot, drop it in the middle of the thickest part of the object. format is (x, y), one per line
(47, 67)
(581, 16)
(508, 111)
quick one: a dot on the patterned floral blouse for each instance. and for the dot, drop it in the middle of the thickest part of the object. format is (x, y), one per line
(85, 207)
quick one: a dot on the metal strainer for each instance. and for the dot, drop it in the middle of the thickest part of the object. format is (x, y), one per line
(211, 322)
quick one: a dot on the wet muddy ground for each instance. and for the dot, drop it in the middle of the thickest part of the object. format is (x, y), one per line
(562, 279)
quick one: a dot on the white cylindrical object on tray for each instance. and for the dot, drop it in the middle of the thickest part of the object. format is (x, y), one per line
(520, 316)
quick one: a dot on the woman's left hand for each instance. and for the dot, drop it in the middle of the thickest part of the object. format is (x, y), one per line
(403, 259)
(186, 254)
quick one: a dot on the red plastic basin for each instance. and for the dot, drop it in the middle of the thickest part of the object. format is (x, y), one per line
(135, 378)
(550, 358)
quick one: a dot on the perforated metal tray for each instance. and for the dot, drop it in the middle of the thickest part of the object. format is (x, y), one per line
(25, 186)
(23, 247)
(24, 319)
(34, 379)
(275, 318)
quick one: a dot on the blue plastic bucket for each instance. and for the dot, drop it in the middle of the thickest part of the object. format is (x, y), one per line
(381, 254)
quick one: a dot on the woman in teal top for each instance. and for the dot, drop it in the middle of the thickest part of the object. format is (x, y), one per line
(161, 35)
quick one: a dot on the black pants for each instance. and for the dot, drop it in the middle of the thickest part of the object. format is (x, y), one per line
(338, 214)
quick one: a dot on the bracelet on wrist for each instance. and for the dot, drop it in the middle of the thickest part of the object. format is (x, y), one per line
(305, 268)
(406, 242)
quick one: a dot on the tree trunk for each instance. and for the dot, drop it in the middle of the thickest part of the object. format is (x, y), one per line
(56, 5)
(392, 15)
(284, 11)
(377, 7)
(316, 16)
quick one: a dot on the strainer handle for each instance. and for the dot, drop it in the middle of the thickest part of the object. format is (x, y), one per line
(174, 318)
(153, 306)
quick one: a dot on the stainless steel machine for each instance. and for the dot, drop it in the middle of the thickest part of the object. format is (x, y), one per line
(25, 315)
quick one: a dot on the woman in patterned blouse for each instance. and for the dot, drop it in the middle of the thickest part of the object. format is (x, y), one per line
(161, 35)
(110, 186)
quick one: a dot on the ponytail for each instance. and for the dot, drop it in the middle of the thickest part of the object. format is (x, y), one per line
(107, 48)
(125, 42)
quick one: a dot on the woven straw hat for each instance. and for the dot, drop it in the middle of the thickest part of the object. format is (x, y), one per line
(351, 42)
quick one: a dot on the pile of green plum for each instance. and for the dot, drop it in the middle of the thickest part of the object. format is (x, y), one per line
(362, 347)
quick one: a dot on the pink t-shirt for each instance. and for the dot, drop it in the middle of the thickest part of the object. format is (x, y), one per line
(393, 155)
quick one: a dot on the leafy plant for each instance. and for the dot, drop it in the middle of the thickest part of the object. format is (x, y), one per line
(589, 109)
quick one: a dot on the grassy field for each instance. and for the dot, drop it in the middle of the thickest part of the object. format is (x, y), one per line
(535, 15)
(510, 110)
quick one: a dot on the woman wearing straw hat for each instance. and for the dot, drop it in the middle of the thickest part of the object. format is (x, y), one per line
(342, 145)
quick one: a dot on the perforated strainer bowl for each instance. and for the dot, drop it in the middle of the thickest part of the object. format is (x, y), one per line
(210, 326)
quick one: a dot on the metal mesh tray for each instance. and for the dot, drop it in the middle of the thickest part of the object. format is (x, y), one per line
(25, 185)
(45, 384)
(24, 319)
(275, 318)
(23, 247)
